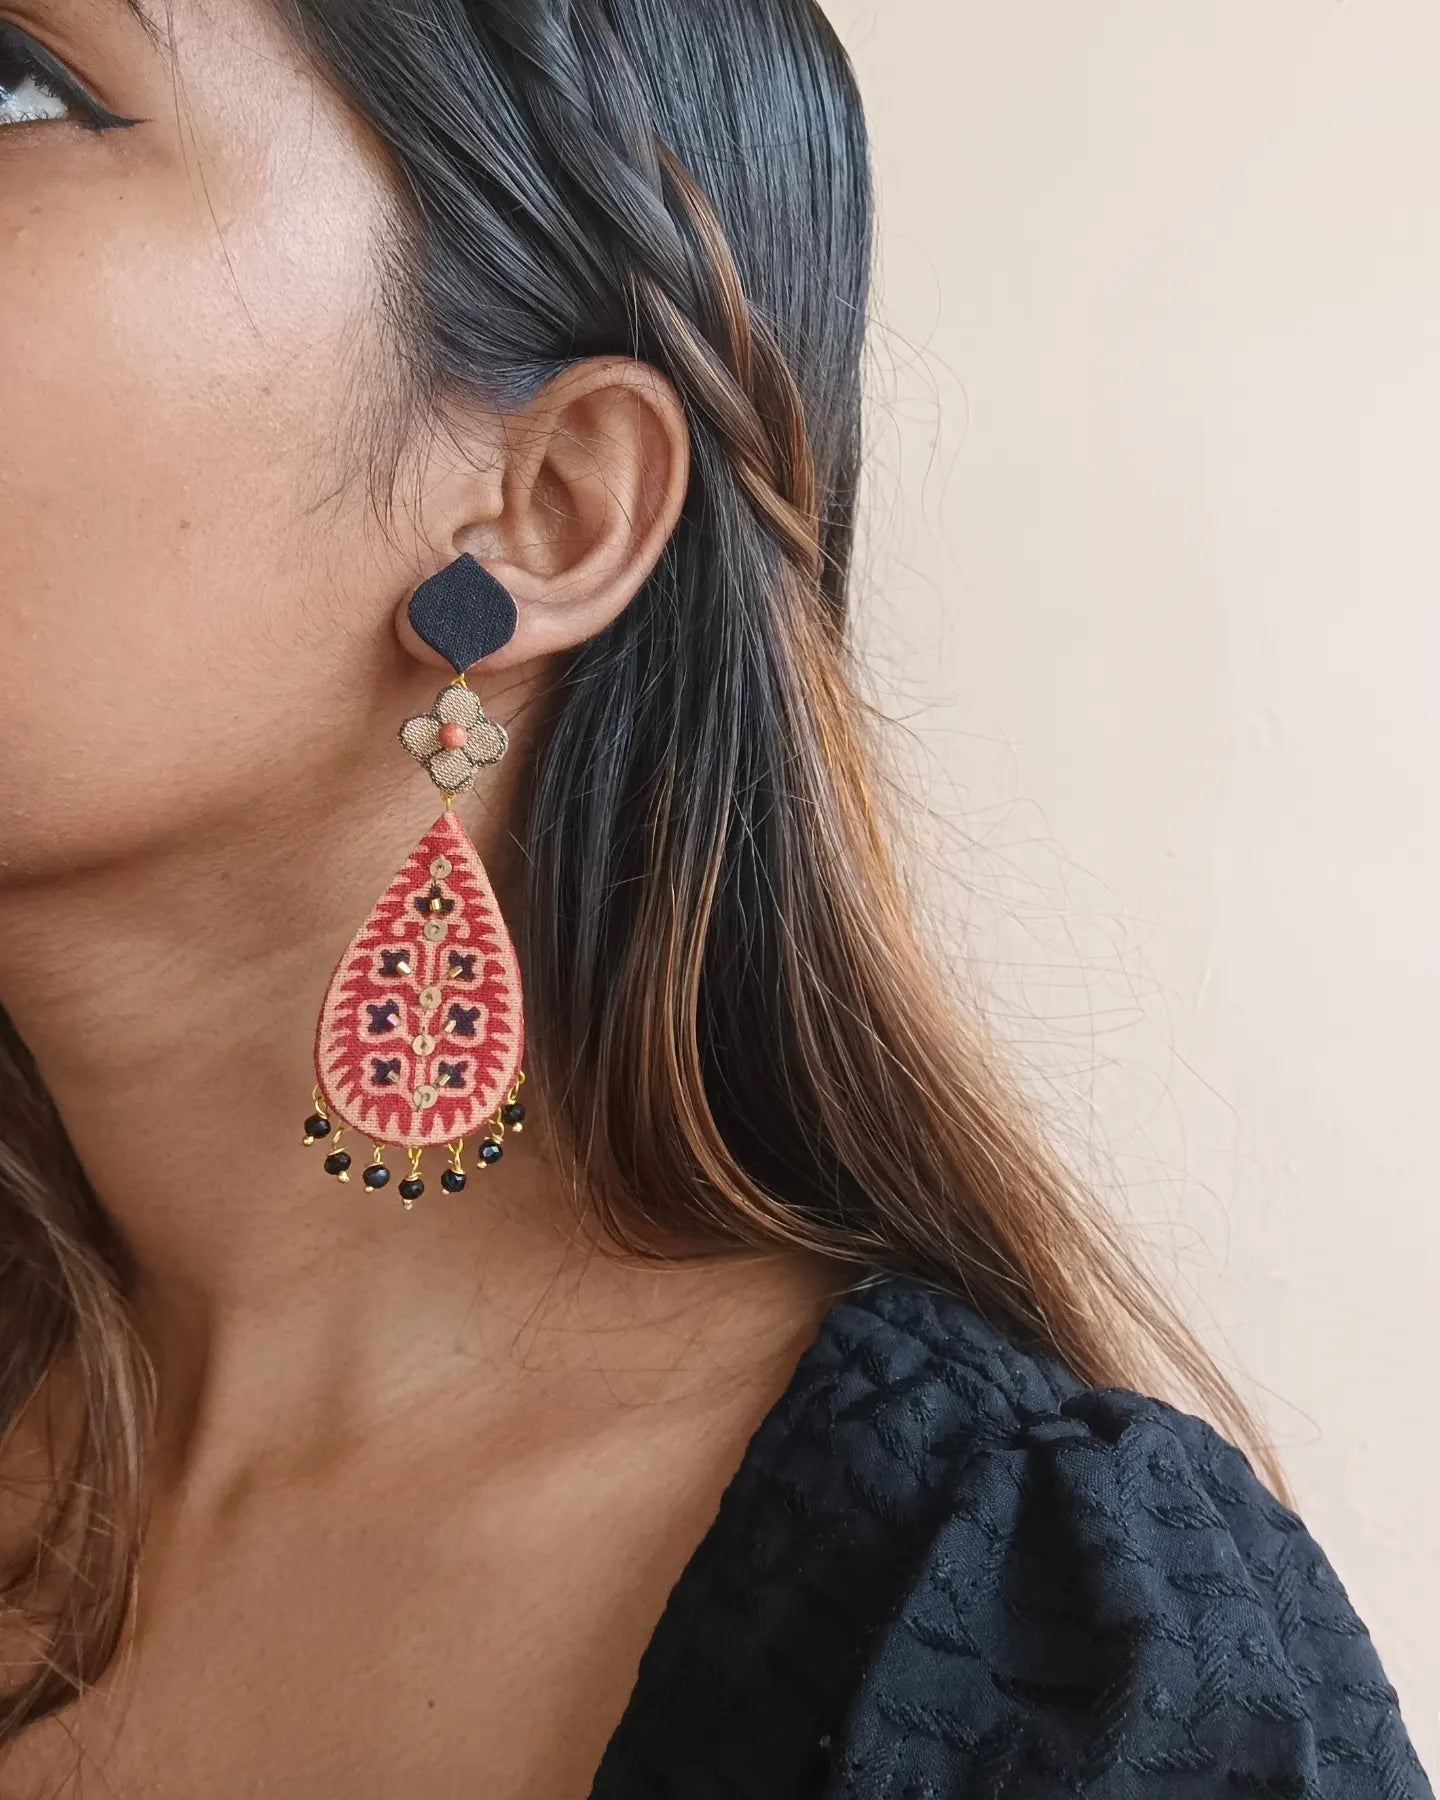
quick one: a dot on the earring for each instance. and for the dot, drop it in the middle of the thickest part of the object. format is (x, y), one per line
(421, 1034)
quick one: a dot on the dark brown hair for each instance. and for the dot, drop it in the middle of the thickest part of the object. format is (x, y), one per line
(732, 1013)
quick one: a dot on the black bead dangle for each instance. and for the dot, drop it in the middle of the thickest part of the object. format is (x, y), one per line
(412, 1187)
(508, 1117)
(338, 1162)
(318, 1125)
(453, 1179)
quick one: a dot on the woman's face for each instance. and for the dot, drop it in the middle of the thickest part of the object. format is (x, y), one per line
(191, 577)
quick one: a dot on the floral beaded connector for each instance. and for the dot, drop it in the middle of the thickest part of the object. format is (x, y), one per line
(455, 739)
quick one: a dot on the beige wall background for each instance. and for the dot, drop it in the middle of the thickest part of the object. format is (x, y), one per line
(1155, 544)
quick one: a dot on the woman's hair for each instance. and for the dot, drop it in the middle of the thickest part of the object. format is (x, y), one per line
(741, 1038)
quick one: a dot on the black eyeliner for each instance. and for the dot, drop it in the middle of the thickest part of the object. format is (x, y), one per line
(96, 116)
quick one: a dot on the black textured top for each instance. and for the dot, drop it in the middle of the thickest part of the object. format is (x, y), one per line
(945, 1568)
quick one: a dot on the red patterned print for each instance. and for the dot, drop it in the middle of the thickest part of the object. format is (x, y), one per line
(422, 1032)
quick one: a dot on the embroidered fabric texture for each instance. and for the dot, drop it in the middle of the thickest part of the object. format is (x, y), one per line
(945, 1569)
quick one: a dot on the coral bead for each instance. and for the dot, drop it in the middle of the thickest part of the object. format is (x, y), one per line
(454, 737)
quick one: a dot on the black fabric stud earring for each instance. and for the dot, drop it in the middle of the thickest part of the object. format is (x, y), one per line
(434, 948)
(464, 613)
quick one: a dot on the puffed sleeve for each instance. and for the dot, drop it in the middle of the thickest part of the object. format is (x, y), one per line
(1113, 1605)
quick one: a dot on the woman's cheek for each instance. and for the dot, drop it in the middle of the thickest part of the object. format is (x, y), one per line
(172, 414)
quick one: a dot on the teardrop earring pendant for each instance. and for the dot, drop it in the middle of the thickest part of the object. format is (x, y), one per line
(421, 1034)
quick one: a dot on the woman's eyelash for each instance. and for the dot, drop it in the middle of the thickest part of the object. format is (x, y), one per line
(36, 88)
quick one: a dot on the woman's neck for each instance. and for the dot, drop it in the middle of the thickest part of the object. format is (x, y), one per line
(170, 1003)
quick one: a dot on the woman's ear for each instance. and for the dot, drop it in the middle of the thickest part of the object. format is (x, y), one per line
(568, 502)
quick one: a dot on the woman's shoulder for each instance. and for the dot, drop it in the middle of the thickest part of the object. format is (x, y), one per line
(1079, 1589)
(946, 1568)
